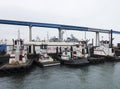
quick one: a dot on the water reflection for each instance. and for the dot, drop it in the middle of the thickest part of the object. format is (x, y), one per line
(101, 76)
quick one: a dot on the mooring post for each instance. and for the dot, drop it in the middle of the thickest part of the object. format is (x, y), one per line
(30, 33)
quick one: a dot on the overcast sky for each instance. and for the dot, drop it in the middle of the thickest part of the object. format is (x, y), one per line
(104, 14)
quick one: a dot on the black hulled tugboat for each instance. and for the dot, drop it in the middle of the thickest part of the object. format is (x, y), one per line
(75, 55)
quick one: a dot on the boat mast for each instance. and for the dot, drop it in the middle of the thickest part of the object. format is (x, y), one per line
(17, 52)
(111, 38)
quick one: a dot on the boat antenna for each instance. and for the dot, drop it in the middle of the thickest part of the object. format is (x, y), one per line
(18, 34)
(85, 35)
(17, 52)
(111, 35)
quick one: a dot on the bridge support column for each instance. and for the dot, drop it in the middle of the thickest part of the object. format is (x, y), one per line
(97, 39)
(30, 33)
(60, 34)
(110, 39)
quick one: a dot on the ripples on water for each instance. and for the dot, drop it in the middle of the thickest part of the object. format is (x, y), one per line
(101, 76)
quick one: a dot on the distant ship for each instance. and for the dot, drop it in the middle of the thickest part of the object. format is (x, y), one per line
(69, 39)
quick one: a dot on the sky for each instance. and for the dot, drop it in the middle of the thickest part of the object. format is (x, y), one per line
(103, 14)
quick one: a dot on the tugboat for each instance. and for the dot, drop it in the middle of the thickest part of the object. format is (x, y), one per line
(104, 50)
(117, 49)
(75, 55)
(18, 58)
(43, 59)
(93, 59)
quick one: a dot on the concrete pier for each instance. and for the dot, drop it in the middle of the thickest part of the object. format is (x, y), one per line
(30, 33)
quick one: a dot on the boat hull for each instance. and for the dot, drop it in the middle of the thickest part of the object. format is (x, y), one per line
(108, 58)
(96, 59)
(47, 63)
(9, 68)
(75, 62)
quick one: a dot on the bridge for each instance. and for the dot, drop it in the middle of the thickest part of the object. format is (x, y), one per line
(60, 27)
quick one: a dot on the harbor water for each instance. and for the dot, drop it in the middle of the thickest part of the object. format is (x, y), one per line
(99, 76)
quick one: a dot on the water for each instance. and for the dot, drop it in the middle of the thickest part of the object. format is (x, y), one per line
(100, 76)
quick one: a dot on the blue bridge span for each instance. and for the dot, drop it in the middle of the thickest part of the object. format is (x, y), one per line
(57, 26)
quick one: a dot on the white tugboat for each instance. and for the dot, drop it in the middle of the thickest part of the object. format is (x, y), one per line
(43, 59)
(104, 50)
(18, 58)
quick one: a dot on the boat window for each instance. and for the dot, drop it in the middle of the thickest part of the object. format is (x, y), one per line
(45, 46)
(47, 57)
(83, 51)
(29, 49)
(87, 50)
(60, 50)
(77, 46)
(15, 42)
(65, 48)
(118, 45)
(56, 49)
(65, 53)
(21, 42)
(41, 47)
(74, 52)
(112, 50)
